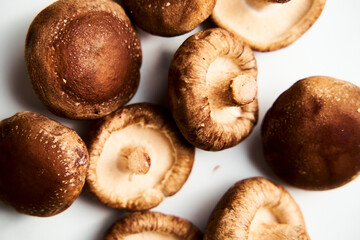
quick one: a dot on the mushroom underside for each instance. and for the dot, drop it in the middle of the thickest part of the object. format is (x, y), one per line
(263, 23)
(152, 236)
(256, 208)
(113, 173)
(221, 74)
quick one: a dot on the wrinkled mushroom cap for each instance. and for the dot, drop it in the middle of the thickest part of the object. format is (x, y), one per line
(206, 80)
(253, 209)
(311, 134)
(83, 58)
(152, 225)
(146, 134)
(42, 164)
(171, 17)
(267, 25)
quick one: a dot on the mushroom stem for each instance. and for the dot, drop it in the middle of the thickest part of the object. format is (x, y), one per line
(139, 162)
(260, 4)
(243, 89)
(279, 232)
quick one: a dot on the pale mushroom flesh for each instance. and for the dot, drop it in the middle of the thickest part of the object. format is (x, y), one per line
(113, 174)
(267, 25)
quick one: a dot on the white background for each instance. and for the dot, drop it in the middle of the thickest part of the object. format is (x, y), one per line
(331, 47)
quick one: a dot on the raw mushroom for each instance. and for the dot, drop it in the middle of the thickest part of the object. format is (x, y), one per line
(152, 226)
(83, 58)
(253, 209)
(171, 17)
(137, 158)
(213, 89)
(311, 134)
(42, 164)
(267, 25)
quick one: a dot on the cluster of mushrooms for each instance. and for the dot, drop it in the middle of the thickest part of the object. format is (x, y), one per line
(84, 59)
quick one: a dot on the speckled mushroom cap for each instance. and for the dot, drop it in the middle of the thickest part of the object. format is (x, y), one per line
(171, 17)
(138, 157)
(267, 25)
(256, 208)
(42, 164)
(213, 89)
(311, 134)
(152, 226)
(83, 57)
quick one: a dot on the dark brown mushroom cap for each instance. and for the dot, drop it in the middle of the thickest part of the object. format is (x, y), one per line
(42, 164)
(267, 25)
(159, 224)
(171, 17)
(83, 58)
(256, 208)
(131, 129)
(198, 104)
(311, 134)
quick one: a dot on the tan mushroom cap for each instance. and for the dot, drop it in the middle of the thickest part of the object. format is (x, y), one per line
(170, 17)
(267, 25)
(83, 58)
(138, 157)
(311, 134)
(253, 209)
(152, 226)
(42, 164)
(213, 89)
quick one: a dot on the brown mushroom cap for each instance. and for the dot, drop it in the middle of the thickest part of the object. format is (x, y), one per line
(256, 208)
(207, 78)
(152, 225)
(267, 25)
(137, 158)
(42, 164)
(171, 17)
(83, 58)
(311, 134)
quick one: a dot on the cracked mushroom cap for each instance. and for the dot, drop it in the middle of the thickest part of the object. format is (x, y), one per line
(256, 208)
(213, 89)
(267, 25)
(152, 226)
(42, 164)
(311, 134)
(83, 58)
(171, 17)
(137, 158)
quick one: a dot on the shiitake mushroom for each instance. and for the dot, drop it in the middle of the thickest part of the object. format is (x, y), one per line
(213, 89)
(138, 157)
(256, 208)
(311, 134)
(83, 58)
(169, 18)
(152, 225)
(267, 25)
(42, 164)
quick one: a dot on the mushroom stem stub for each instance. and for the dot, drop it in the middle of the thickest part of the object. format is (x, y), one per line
(243, 89)
(139, 162)
(279, 232)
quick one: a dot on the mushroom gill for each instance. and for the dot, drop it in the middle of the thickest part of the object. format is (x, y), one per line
(213, 89)
(267, 25)
(137, 158)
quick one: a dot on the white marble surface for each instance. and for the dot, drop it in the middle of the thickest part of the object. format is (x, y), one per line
(331, 47)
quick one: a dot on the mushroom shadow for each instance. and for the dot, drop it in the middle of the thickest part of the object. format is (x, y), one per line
(107, 224)
(256, 154)
(156, 82)
(207, 24)
(9, 211)
(18, 80)
(110, 220)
